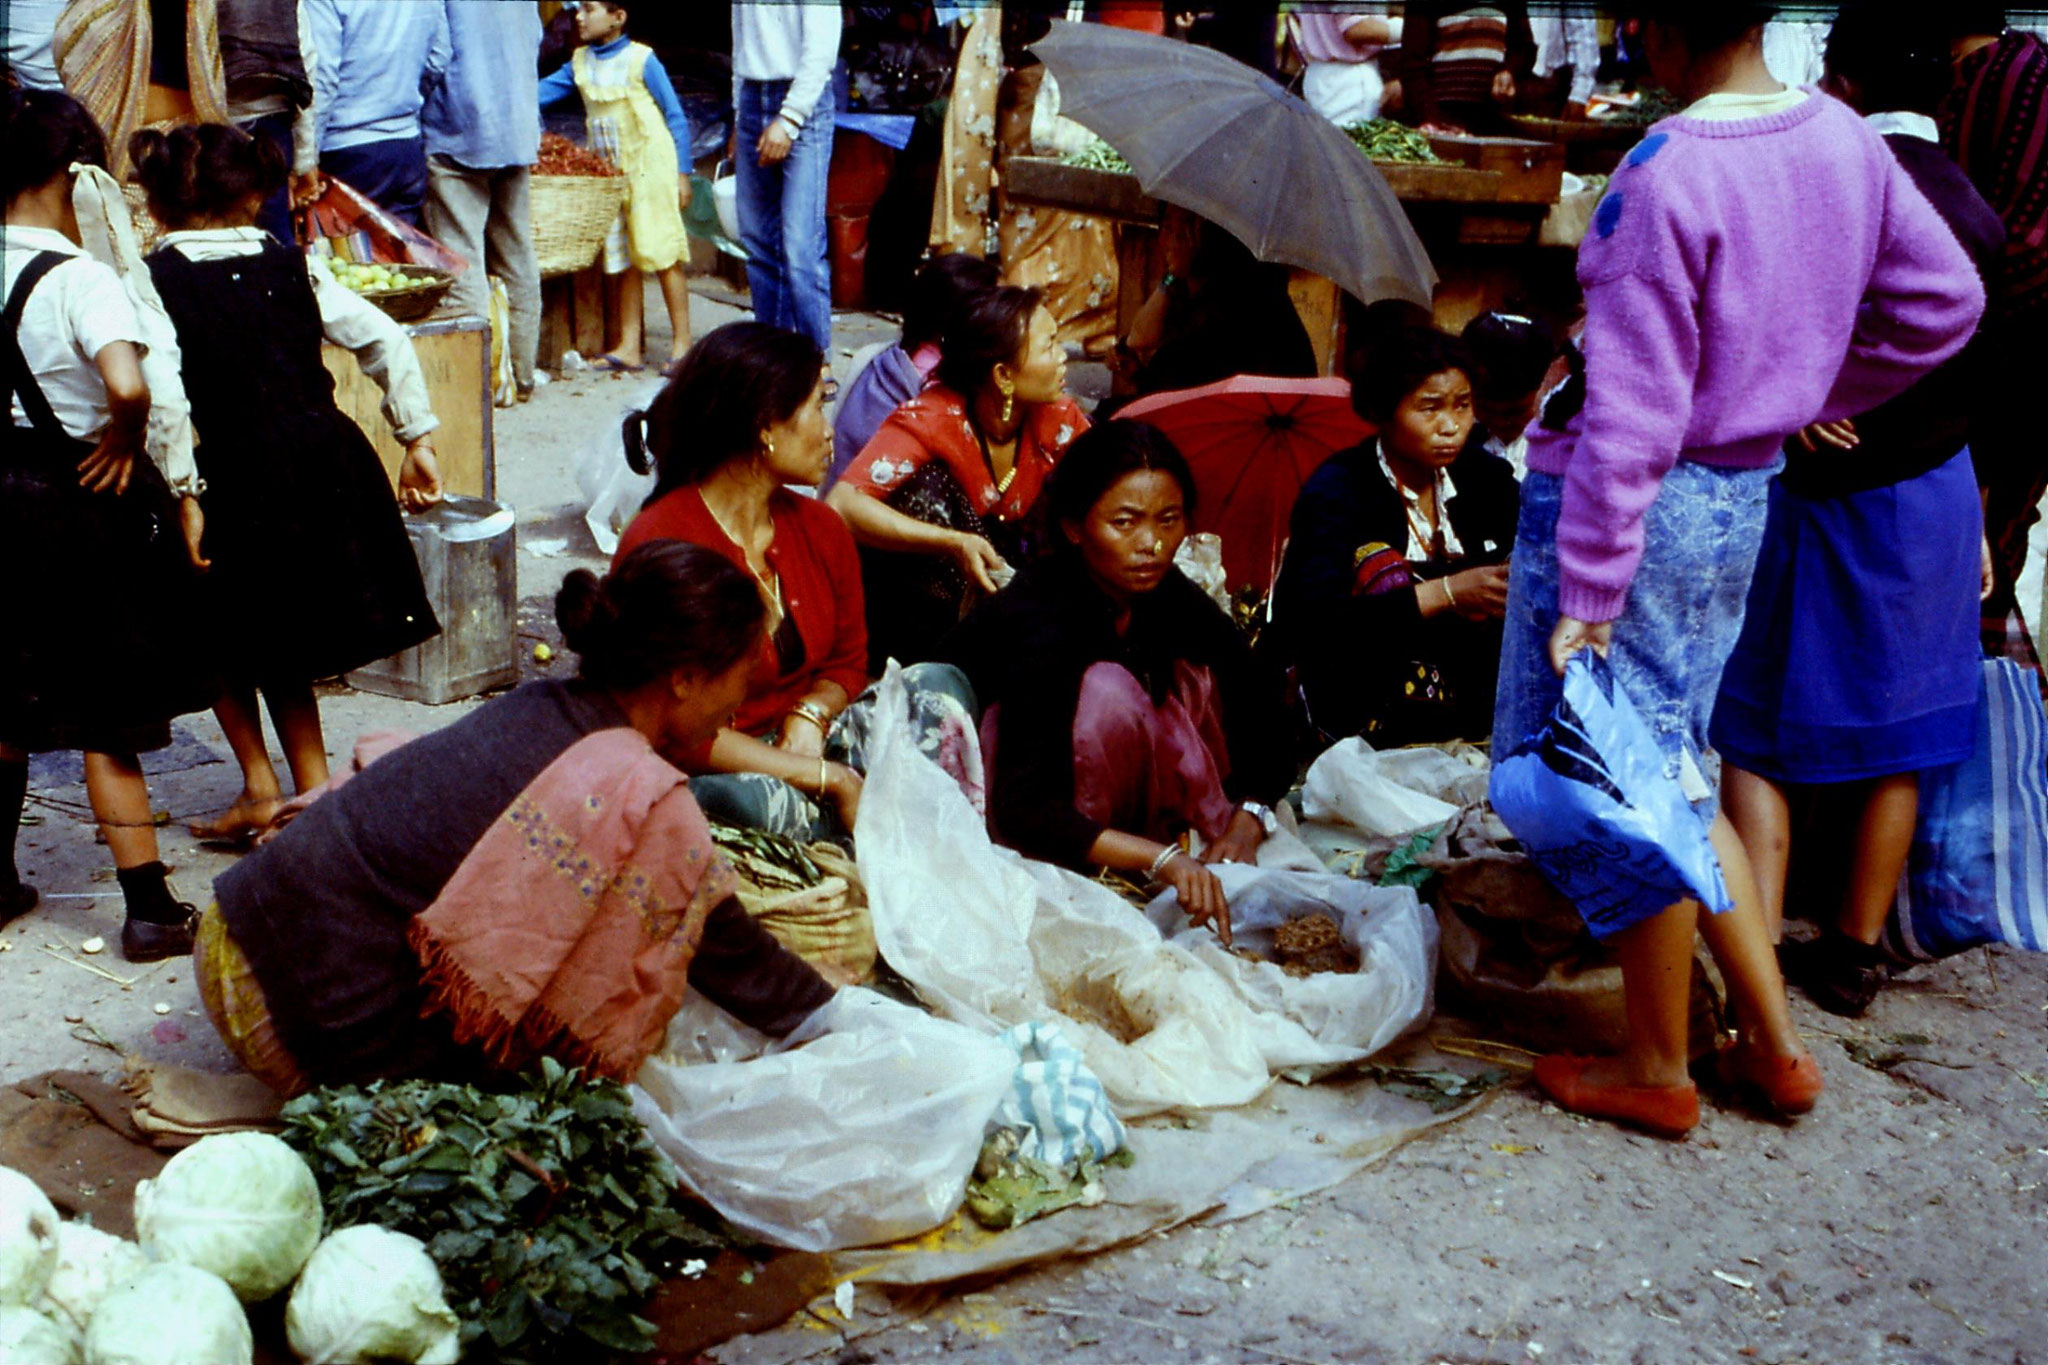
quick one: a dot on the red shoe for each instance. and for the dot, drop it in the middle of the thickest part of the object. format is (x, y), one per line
(1669, 1111)
(1790, 1086)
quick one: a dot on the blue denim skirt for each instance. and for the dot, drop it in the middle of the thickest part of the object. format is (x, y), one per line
(1677, 629)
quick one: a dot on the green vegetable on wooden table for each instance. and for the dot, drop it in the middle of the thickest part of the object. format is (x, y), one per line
(547, 1209)
(1383, 139)
(1099, 156)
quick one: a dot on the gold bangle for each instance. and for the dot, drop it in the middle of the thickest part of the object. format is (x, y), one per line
(814, 713)
(1450, 593)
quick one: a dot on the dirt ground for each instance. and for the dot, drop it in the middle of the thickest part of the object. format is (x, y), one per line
(1904, 1221)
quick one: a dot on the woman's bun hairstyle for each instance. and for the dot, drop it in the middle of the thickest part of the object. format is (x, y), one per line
(989, 330)
(44, 132)
(203, 170)
(668, 606)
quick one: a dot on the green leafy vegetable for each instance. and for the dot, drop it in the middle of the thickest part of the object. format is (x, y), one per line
(1099, 156)
(1440, 1090)
(1383, 139)
(547, 1209)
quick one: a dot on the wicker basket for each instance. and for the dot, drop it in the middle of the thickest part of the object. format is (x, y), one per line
(571, 215)
(415, 300)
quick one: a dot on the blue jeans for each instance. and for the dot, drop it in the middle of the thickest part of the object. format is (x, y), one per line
(1674, 636)
(393, 173)
(782, 214)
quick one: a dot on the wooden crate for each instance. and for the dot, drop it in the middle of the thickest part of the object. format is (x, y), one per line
(455, 355)
(1531, 172)
(575, 315)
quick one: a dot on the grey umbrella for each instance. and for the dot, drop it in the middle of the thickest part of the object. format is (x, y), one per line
(1206, 132)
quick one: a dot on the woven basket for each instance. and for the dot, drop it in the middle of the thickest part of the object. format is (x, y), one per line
(571, 215)
(416, 300)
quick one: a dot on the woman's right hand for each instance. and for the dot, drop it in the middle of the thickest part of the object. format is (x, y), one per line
(978, 560)
(842, 789)
(1481, 594)
(1201, 895)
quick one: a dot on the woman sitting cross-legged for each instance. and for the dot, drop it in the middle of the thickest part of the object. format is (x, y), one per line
(1124, 708)
(534, 880)
(942, 500)
(744, 419)
(1390, 601)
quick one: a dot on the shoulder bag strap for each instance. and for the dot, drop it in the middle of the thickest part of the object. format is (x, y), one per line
(15, 375)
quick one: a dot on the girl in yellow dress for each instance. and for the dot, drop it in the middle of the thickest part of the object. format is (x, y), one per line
(636, 120)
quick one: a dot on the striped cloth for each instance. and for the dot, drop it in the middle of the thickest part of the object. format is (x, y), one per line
(1995, 124)
(1056, 1102)
(1978, 871)
(103, 47)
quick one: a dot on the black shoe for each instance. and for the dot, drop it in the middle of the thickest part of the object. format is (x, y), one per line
(142, 941)
(1838, 973)
(17, 901)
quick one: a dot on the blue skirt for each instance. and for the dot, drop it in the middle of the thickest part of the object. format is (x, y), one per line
(1858, 656)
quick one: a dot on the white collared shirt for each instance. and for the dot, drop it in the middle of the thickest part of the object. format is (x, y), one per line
(78, 310)
(347, 319)
(1419, 551)
(1904, 122)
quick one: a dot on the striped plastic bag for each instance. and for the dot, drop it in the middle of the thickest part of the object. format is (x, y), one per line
(1055, 1102)
(1978, 871)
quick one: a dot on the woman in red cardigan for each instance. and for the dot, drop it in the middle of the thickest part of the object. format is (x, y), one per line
(742, 421)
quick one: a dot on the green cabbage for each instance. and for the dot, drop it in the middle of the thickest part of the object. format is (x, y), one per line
(29, 1338)
(170, 1315)
(242, 1205)
(371, 1294)
(89, 1263)
(28, 1239)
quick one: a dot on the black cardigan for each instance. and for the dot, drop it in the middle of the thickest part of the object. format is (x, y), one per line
(1026, 650)
(1349, 649)
(1929, 424)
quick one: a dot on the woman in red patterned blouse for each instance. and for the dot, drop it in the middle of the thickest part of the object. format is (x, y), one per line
(941, 501)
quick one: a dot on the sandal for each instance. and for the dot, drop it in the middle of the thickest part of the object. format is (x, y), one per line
(237, 831)
(1669, 1111)
(611, 364)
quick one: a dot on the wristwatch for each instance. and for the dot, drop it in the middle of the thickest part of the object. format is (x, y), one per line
(1268, 821)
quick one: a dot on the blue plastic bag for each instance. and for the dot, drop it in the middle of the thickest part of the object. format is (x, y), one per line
(1596, 812)
(1978, 871)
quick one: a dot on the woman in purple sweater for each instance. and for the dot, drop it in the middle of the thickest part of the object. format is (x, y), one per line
(1760, 262)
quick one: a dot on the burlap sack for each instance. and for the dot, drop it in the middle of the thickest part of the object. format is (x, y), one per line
(1517, 959)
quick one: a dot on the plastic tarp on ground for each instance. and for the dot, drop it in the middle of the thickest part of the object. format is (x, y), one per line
(990, 938)
(987, 939)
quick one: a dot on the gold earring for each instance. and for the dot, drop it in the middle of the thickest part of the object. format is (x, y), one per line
(1008, 399)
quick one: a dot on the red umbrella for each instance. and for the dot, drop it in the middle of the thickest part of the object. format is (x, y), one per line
(1252, 443)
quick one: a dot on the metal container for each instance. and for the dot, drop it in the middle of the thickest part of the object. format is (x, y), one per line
(466, 552)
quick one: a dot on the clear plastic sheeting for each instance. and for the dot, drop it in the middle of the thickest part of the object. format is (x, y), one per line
(862, 1127)
(992, 939)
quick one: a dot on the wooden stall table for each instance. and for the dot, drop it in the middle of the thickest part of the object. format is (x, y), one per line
(1481, 215)
(455, 355)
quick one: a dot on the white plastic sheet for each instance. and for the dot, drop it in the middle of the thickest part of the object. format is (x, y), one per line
(1390, 793)
(612, 492)
(861, 1128)
(993, 939)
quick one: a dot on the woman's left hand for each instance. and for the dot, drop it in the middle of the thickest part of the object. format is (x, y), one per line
(1240, 843)
(1987, 575)
(683, 192)
(419, 478)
